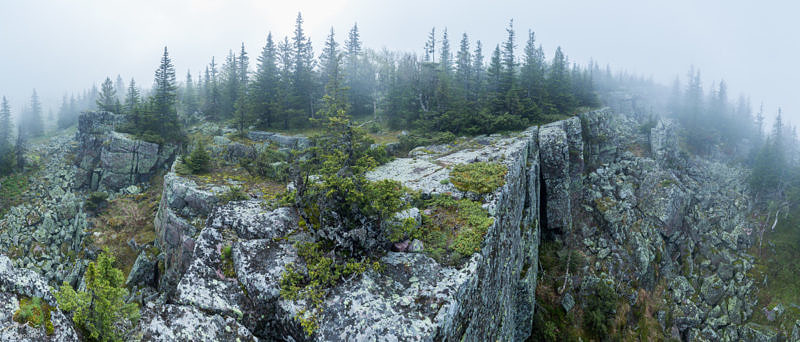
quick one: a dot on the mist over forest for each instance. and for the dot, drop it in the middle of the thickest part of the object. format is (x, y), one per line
(344, 170)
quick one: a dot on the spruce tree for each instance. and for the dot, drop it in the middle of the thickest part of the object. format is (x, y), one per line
(303, 83)
(464, 67)
(5, 122)
(446, 58)
(263, 97)
(35, 125)
(163, 101)
(107, 99)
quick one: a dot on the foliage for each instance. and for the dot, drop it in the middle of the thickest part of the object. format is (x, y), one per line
(198, 161)
(12, 189)
(599, 309)
(312, 284)
(455, 228)
(270, 164)
(479, 177)
(96, 200)
(340, 199)
(34, 312)
(235, 193)
(100, 311)
(226, 256)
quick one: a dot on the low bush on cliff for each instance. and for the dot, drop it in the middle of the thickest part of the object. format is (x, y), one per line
(198, 161)
(480, 177)
(100, 311)
(341, 208)
(270, 164)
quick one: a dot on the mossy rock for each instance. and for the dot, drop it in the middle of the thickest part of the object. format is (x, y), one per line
(480, 177)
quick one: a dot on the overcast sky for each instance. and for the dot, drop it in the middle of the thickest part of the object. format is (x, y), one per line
(57, 46)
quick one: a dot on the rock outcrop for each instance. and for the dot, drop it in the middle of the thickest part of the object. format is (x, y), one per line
(18, 283)
(46, 231)
(109, 160)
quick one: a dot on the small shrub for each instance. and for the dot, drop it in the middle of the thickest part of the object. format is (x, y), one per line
(234, 194)
(480, 177)
(600, 309)
(100, 311)
(322, 273)
(96, 200)
(270, 164)
(198, 161)
(34, 312)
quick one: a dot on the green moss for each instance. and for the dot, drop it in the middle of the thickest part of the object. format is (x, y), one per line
(455, 228)
(479, 177)
(604, 203)
(226, 256)
(34, 312)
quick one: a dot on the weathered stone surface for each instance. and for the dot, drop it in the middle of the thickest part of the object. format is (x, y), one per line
(294, 142)
(664, 142)
(111, 160)
(16, 283)
(409, 300)
(752, 332)
(251, 220)
(143, 271)
(170, 322)
(554, 159)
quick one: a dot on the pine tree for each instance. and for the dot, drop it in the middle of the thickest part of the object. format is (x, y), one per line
(263, 97)
(558, 83)
(6, 126)
(334, 99)
(163, 102)
(119, 88)
(478, 73)
(243, 113)
(34, 124)
(446, 58)
(430, 47)
(532, 74)
(303, 82)
(464, 67)
(132, 99)
(230, 85)
(189, 95)
(107, 99)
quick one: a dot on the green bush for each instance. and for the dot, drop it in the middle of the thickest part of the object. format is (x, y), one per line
(234, 194)
(96, 200)
(100, 311)
(600, 309)
(270, 164)
(34, 312)
(198, 161)
(480, 177)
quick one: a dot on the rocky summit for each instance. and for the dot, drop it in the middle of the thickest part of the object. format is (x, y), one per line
(625, 206)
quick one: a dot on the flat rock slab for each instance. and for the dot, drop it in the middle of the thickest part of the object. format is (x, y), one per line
(186, 323)
(406, 301)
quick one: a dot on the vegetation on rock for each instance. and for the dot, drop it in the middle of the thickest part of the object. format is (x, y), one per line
(100, 311)
(454, 229)
(34, 312)
(479, 177)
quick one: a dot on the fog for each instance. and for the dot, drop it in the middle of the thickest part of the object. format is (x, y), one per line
(59, 46)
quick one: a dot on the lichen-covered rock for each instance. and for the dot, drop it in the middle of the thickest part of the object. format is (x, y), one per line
(752, 332)
(170, 322)
(251, 220)
(294, 142)
(111, 160)
(16, 283)
(204, 285)
(143, 271)
(554, 159)
(409, 300)
(664, 142)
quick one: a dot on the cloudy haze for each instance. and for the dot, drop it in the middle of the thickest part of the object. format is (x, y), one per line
(59, 46)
